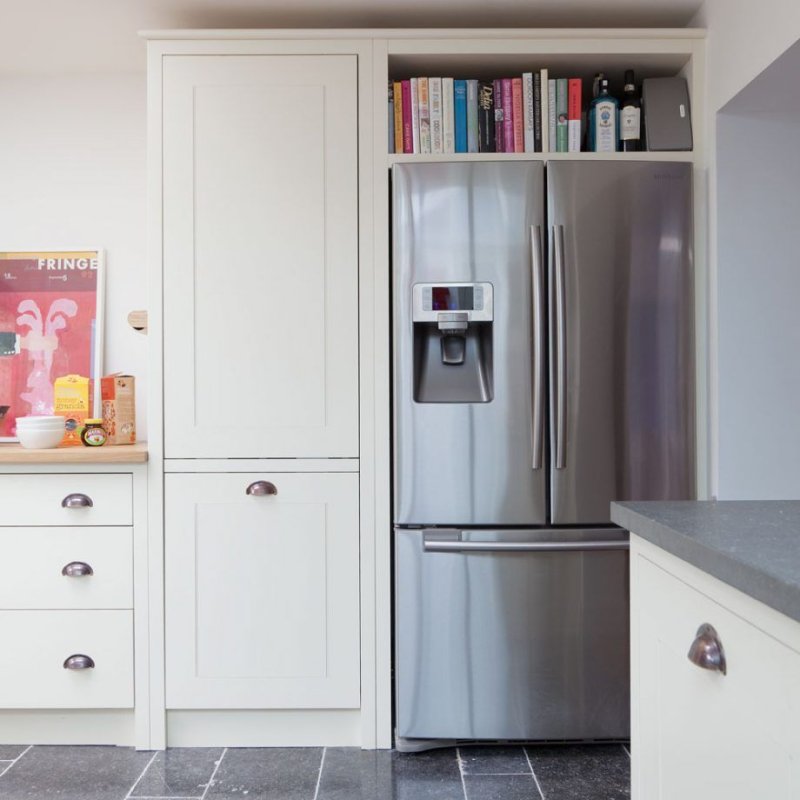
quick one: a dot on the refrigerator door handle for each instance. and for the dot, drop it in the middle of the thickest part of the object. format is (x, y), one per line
(455, 546)
(537, 284)
(561, 348)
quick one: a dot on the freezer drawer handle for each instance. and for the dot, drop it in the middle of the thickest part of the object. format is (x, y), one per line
(261, 488)
(455, 546)
(707, 651)
(77, 500)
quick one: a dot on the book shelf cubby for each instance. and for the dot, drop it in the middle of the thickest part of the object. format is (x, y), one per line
(675, 54)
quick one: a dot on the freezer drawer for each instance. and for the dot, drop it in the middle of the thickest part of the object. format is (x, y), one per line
(512, 634)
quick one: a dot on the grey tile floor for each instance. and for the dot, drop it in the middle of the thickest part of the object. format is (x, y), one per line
(598, 772)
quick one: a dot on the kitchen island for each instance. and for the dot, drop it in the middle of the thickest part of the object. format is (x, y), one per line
(719, 580)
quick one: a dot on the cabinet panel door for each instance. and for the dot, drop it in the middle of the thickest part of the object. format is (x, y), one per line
(699, 734)
(262, 591)
(260, 256)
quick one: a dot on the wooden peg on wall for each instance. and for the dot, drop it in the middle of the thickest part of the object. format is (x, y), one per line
(138, 321)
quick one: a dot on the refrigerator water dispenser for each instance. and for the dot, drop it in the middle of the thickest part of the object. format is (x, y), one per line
(453, 342)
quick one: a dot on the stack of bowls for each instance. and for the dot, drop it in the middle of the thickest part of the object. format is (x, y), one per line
(40, 433)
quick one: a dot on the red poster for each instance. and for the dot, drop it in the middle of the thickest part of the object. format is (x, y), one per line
(50, 304)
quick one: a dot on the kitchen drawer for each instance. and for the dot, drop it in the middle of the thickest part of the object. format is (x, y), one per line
(699, 733)
(35, 644)
(34, 559)
(35, 499)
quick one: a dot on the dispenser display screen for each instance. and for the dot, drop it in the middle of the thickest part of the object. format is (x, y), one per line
(452, 298)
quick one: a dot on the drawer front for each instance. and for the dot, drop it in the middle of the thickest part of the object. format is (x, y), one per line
(262, 591)
(98, 563)
(701, 733)
(42, 499)
(35, 645)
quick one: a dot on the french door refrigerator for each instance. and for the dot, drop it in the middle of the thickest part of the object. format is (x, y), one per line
(543, 367)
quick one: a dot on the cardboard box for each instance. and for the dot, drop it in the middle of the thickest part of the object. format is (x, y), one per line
(71, 398)
(118, 393)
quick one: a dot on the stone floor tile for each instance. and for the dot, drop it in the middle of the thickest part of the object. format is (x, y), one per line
(480, 760)
(74, 773)
(275, 773)
(590, 772)
(502, 787)
(8, 752)
(179, 772)
(432, 775)
(349, 773)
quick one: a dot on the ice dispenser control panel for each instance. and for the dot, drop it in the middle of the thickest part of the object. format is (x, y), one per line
(474, 300)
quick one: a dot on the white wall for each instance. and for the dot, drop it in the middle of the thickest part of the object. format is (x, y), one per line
(72, 173)
(744, 38)
(758, 295)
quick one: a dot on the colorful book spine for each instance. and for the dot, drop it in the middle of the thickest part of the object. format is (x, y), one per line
(424, 116)
(527, 107)
(460, 115)
(537, 113)
(391, 117)
(545, 115)
(415, 115)
(499, 116)
(397, 87)
(508, 115)
(448, 117)
(574, 116)
(562, 138)
(519, 116)
(408, 128)
(472, 116)
(551, 115)
(435, 98)
(486, 138)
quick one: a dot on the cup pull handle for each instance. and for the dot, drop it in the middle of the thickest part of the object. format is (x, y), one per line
(79, 661)
(77, 500)
(707, 651)
(261, 488)
(77, 569)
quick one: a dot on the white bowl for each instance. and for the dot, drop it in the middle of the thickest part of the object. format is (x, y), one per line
(40, 439)
(39, 422)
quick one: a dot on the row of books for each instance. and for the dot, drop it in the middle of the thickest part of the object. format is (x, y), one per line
(532, 113)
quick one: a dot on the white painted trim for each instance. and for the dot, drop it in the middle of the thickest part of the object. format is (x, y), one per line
(239, 34)
(382, 485)
(155, 405)
(332, 728)
(69, 726)
(366, 358)
(261, 465)
(417, 158)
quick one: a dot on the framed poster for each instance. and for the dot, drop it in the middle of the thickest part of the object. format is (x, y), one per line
(51, 324)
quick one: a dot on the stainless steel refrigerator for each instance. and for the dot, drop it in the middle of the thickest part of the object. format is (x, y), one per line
(543, 367)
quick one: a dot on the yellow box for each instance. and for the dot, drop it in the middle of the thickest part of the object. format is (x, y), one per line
(71, 400)
(119, 408)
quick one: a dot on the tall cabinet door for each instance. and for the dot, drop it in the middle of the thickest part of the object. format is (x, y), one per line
(260, 256)
(621, 344)
(262, 590)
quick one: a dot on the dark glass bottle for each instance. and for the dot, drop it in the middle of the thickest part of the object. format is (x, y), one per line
(604, 113)
(630, 116)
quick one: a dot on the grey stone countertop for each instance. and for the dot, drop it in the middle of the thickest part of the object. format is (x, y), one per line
(752, 545)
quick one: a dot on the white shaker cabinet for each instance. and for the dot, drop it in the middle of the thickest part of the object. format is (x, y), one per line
(260, 253)
(262, 590)
(697, 733)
